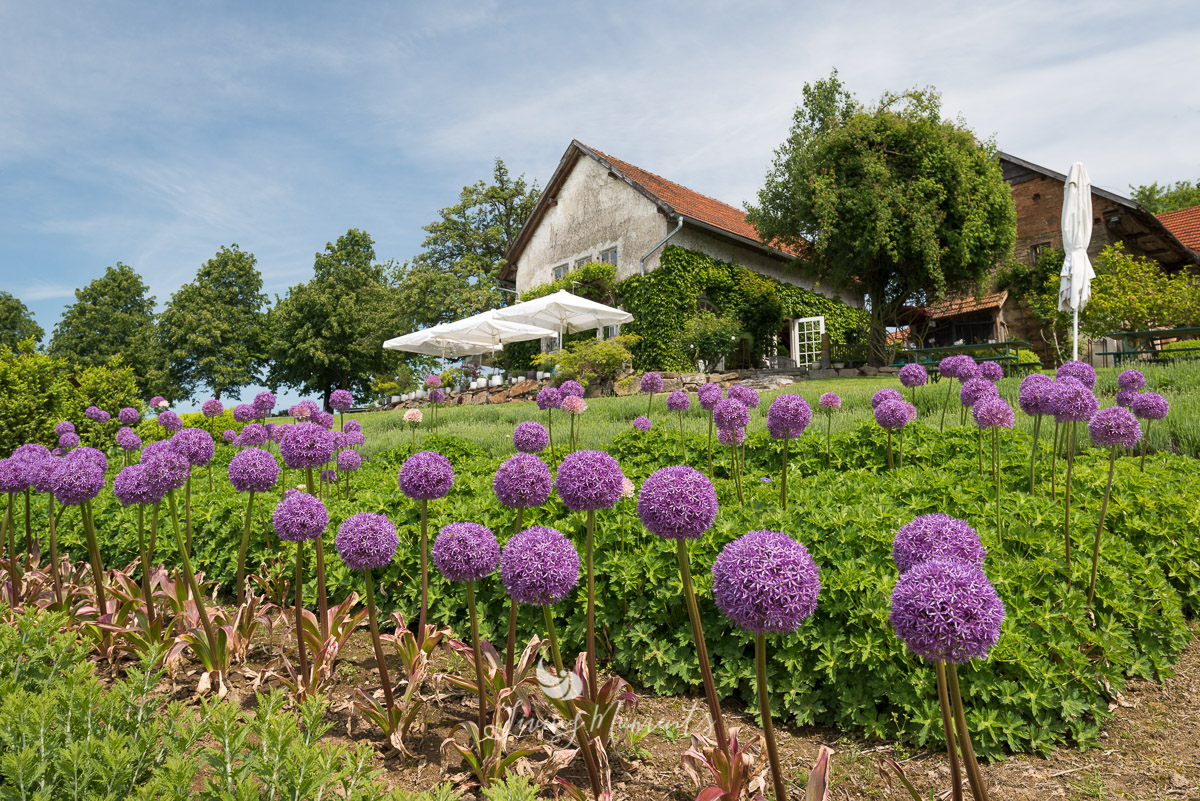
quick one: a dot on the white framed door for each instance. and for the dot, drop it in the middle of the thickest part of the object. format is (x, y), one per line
(806, 340)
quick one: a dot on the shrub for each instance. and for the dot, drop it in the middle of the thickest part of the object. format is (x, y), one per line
(590, 360)
(707, 338)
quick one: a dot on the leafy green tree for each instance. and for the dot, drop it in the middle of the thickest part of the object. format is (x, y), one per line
(708, 338)
(890, 200)
(1161, 199)
(114, 316)
(215, 328)
(328, 334)
(16, 322)
(1132, 293)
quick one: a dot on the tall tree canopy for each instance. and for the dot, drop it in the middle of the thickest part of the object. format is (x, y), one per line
(16, 322)
(462, 255)
(890, 200)
(1161, 199)
(328, 334)
(114, 316)
(215, 328)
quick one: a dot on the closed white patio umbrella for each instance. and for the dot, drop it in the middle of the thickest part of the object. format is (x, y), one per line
(564, 312)
(1075, 280)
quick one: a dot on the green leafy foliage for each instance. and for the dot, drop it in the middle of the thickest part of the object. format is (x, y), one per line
(593, 280)
(708, 339)
(1167, 197)
(589, 360)
(17, 322)
(1132, 293)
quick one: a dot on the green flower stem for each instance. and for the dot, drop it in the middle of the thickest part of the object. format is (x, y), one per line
(900, 449)
(379, 660)
(510, 655)
(1067, 503)
(58, 596)
(305, 679)
(1054, 463)
(322, 600)
(589, 758)
(550, 427)
(828, 435)
(710, 467)
(1112, 461)
(28, 530)
(889, 449)
(574, 445)
(974, 776)
(146, 596)
(241, 570)
(979, 446)
(733, 468)
(996, 475)
(946, 403)
(649, 403)
(188, 575)
(154, 527)
(1037, 429)
(787, 438)
(424, 572)
(478, 657)
(187, 510)
(414, 439)
(682, 444)
(13, 570)
(948, 728)
(591, 603)
(710, 686)
(764, 708)
(89, 532)
(1146, 444)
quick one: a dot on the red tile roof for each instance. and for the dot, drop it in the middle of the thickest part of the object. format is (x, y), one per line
(899, 336)
(952, 307)
(1185, 224)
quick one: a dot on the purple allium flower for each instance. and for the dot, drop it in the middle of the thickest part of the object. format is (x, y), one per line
(253, 470)
(157, 401)
(353, 439)
(1080, 370)
(642, 423)
(76, 481)
(522, 481)
(306, 445)
(349, 460)
(253, 435)
(103, 417)
(166, 469)
(946, 610)
(967, 368)
(128, 440)
(155, 448)
(677, 503)
(678, 401)
(892, 415)
(14, 475)
(992, 371)
(731, 413)
(300, 517)
(302, 410)
(912, 411)
(574, 404)
(68, 440)
(30, 452)
(976, 389)
(229, 435)
(571, 387)
(830, 401)
(549, 398)
(708, 395)
(92, 412)
(948, 367)
(539, 566)
(426, 475)
(366, 541)
(279, 431)
(788, 415)
(1126, 397)
(730, 437)
(329, 476)
(913, 375)
(352, 425)
(41, 472)
(1072, 401)
(885, 394)
(244, 413)
(936, 536)
(1131, 379)
(436, 396)
(170, 421)
(589, 480)
(128, 416)
(433, 381)
(1150, 406)
(466, 551)
(212, 408)
(92, 455)
(651, 382)
(341, 400)
(766, 582)
(323, 418)
(64, 427)
(1114, 426)
(1036, 390)
(748, 397)
(530, 437)
(133, 488)
(993, 413)
(264, 403)
(195, 444)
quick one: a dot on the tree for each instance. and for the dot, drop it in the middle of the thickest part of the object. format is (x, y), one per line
(113, 316)
(328, 334)
(891, 200)
(1161, 199)
(1132, 293)
(462, 256)
(215, 328)
(16, 322)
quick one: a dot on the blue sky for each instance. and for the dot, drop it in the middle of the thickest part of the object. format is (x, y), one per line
(154, 133)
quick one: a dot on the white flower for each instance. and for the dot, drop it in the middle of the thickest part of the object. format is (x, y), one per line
(413, 416)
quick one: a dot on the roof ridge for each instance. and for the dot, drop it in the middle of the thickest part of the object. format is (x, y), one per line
(661, 178)
(1195, 208)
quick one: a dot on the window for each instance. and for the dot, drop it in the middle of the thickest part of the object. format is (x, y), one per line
(580, 262)
(609, 256)
(560, 271)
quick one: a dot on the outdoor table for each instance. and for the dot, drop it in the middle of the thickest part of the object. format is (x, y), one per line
(932, 356)
(1130, 354)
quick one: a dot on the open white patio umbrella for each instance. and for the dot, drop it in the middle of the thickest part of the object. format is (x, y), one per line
(430, 344)
(564, 312)
(1075, 281)
(487, 328)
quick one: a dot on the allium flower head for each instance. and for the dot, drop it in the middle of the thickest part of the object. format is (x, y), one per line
(366, 541)
(68, 440)
(522, 481)
(571, 387)
(306, 445)
(708, 395)
(642, 423)
(329, 476)
(1036, 390)
(967, 368)
(1131, 379)
(1114, 426)
(64, 427)
(992, 371)
(627, 488)
(1080, 370)
(170, 421)
(436, 396)
(76, 481)
(731, 413)
(677, 503)
(30, 451)
(913, 375)
(92, 412)
(244, 413)
(946, 610)
(651, 382)
(730, 437)
(885, 394)
(166, 469)
(426, 475)
(128, 416)
(349, 460)
(300, 517)
(92, 455)
(892, 415)
(976, 389)
(589, 480)
(530, 437)
(747, 395)
(253, 470)
(993, 413)
(539, 566)
(433, 381)
(195, 444)
(936, 536)
(549, 398)
(341, 399)
(158, 402)
(323, 418)
(1150, 406)
(14, 475)
(41, 472)
(212, 408)
(133, 488)
(1072, 401)
(352, 425)
(830, 401)
(303, 410)
(466, 551)
(253, 435)
(264, 403)
(128, 440)
(229, 435)
(678, 401)
(413, 417)
(1126, 397)
(948, 367)
(574, 404)
(156, 448)
(766, 582)
(788, 416)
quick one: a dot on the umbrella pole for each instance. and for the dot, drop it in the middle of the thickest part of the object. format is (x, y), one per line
(1075, 334)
